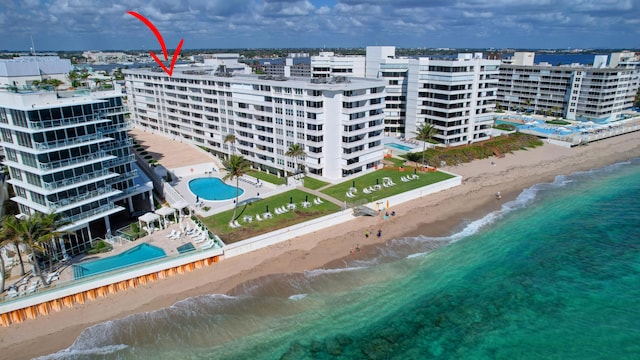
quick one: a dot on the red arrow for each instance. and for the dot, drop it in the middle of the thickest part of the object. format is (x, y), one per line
(162, 45)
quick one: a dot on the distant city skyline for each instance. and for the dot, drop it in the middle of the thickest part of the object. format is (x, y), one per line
(69, 25)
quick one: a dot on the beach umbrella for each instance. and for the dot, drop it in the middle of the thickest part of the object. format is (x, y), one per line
(267, 207)
(290, 199)
(387, 205)
(353, 183)
(376, 181)
(306, 198)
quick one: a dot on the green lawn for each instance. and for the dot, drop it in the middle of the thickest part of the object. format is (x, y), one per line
(339, 191)
(313, 184)
(270, 178)
(219, 223)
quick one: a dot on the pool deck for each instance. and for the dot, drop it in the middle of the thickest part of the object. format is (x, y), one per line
(158, 238)
(189, 162)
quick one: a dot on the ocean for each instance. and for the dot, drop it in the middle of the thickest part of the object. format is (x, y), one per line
(554, 274)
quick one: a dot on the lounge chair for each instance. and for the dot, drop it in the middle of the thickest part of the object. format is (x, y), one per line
(350, 195)
(207, 245)
(306, 204)
(291, 206)
(201, 239)
(232, 225)
(236, 223)
(258, 217)
(172, 234)
(317, 201)
(267, 215)
(366, 191)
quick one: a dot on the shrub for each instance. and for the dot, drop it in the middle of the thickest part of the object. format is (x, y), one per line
(99, 247)
(505, 127)
(557, 122)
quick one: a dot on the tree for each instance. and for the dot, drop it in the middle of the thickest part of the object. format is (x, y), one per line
(35, 231)
(73, 76)
(424, 133)
(296, 151)
(54, 82)
(230, 138)
(9, 235)
(236, 166)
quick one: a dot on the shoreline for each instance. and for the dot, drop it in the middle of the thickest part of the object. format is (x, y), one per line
(439, 214)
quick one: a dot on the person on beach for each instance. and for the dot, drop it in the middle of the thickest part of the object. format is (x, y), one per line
(357, 247)
(366, 234)
(379, 232)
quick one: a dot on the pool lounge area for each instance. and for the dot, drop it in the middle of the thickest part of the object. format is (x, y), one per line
(134, 256)
(399, 146)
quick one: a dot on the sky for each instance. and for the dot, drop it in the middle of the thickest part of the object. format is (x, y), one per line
(203, 24)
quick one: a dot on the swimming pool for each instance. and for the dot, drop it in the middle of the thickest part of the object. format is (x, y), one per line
(211, 188)
(399, 146)
(137, 255)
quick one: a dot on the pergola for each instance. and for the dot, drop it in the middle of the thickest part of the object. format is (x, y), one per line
(148, 218)
(181, 205)
(164, 212)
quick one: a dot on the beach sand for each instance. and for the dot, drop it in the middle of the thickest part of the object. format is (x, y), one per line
(438, 214)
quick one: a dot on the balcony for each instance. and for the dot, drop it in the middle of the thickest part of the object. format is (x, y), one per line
(97, 156)
(77, 179)
(47, 124)
(68, 142)
(73, 200)
(90, 213)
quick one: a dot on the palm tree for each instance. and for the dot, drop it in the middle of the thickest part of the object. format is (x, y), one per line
(35, 231)
(424, 133)
(73, 76)
(296, 151)
(230, 138)
(236, 166)
(9, 235)
(3, 242)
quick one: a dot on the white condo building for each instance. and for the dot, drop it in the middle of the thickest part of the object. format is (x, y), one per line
(338, 120)
(328, 64)
(69, 152)
(456, 96)
(599, 92)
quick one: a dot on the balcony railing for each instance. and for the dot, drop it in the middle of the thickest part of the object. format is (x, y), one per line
(77, 179)
(86, 214)
(46, 124)
(74, 199)
(67, 142)
(73, 161)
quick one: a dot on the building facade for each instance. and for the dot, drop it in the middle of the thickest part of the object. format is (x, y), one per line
(69, 153)
(328, 64)
(338, 121)
(575, 92)
(456, 96)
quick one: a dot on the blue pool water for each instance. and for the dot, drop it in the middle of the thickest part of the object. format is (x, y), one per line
(137, 255)
(399, 146)
(213, 189)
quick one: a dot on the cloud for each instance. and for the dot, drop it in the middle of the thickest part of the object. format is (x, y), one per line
(99, 24)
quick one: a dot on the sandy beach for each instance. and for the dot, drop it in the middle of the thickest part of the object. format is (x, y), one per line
(437, 214)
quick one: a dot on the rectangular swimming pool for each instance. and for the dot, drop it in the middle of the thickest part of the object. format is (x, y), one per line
(137, 255)
(399, 146)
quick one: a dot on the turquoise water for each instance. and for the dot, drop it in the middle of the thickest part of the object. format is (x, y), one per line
(136, 255)
(399, 146)
(213, 189)
(553, 274)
